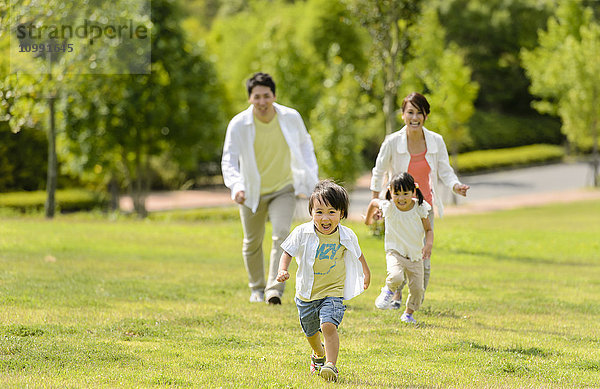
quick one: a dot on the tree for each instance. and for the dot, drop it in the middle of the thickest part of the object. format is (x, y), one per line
(26, 94)
(387, 22)
(565, 73)
(51, 42)
(122, 125)
(492, 32)
(338, 120)
(440, 69)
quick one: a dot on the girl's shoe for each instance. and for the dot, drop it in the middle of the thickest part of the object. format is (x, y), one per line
(316, 363)
(384, 299)
(329, 372)
(407, 318)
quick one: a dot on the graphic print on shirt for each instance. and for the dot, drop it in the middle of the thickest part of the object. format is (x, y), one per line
(327, 251)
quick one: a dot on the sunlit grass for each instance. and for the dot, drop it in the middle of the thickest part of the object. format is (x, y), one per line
(514, 301)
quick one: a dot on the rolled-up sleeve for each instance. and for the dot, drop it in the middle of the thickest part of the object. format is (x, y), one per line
(444, 170)
(382, 165)
(230, 163)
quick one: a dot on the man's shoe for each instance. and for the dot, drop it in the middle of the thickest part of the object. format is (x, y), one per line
(257, 296)
(274, 300)
(329, 372)
(396, 304)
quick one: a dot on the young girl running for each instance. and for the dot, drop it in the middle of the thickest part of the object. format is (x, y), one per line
(331, 268)
(406, 224)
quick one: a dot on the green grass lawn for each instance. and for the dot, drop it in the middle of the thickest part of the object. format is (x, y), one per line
(513, 301)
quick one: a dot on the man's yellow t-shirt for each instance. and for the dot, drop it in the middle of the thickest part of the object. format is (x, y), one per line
(273, 157)
(329, 267)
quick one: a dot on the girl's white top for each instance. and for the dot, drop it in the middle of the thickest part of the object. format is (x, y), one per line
(404, 230)
(302, 244)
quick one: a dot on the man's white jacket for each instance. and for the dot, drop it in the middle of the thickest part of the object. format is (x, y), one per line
(238, 164)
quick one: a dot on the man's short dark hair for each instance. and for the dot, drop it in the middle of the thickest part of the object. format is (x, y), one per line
(259, 78)
(332, 194)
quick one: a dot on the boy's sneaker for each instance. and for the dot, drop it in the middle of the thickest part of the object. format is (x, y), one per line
(384, 299)
(407, 318)
(396, 304)
(329, 372)
(316, 363)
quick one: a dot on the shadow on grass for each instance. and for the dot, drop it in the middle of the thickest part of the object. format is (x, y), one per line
(522, 351)
(520, 258)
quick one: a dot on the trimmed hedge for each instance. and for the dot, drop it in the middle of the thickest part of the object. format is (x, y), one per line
(485, 160)
(491, 130)
(67, 200)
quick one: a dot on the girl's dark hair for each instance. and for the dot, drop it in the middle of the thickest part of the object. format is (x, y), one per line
(259, 78)
(418, 100)
(404, 182)
(332, 194)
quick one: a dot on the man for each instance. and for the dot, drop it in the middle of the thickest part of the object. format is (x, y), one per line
(268, 158)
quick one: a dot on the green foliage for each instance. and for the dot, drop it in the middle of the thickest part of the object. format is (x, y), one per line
(97, 303)
(276, 44)
(478, 161)
(338, 119)
(23, 159)
(492, 32)
(441, 69)
(490, 130)
(565, 74)
(387, 22)
(67, 200)
(329, 22)
(127, 127)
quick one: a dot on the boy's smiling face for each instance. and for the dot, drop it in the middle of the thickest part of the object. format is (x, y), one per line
(325, 217)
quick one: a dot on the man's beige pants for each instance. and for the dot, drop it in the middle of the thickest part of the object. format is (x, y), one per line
(279, 208)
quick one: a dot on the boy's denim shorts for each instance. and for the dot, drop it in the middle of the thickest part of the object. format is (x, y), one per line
(314, 313)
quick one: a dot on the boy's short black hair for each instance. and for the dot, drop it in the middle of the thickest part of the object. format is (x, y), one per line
(330, 193)
(260, 78)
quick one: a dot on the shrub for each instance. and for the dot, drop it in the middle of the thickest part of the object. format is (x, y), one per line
(496, 131)
(67, 200)
(476, 161)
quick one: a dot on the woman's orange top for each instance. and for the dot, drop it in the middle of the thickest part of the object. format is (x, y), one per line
(419, 169)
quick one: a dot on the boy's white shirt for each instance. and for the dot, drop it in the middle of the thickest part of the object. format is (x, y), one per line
(302, 244)
(394, 158)
(404, 230)
(238, 164)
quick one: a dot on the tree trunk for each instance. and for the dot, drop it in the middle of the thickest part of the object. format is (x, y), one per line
(51, 171)
(139, 195)
(595, 156)
(390, 79)
(389, 110)
(113, 189)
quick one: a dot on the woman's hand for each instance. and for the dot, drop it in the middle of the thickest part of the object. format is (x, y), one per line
(461, 189)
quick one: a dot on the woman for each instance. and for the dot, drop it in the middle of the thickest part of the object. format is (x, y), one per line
(423, 154)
